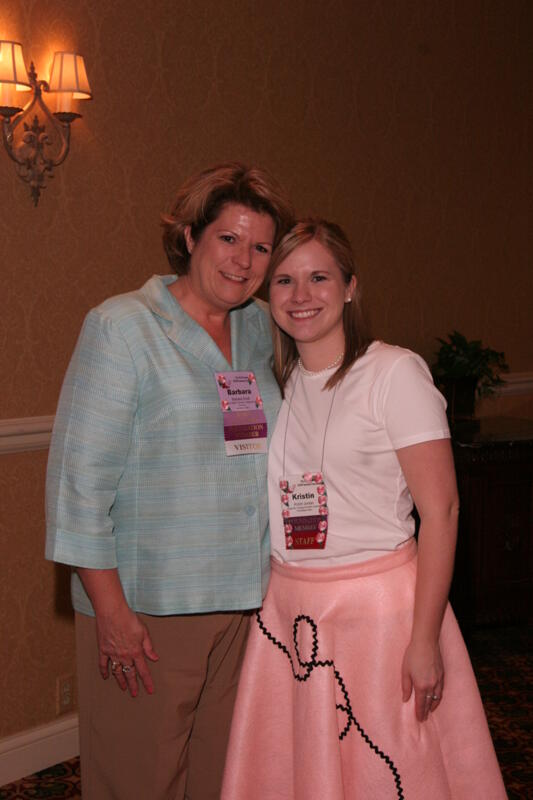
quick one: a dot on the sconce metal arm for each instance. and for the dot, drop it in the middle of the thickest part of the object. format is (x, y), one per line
(30, 156)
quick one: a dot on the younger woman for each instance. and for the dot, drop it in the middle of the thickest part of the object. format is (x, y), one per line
(356, 682)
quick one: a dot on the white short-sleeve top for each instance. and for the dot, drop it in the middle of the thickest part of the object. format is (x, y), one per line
(386, 401)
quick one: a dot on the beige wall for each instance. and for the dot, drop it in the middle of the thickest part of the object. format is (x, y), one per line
(407, 122)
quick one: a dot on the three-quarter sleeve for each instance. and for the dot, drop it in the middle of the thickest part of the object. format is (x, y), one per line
(90, 445)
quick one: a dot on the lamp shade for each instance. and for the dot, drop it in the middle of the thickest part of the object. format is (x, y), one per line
(69, 75)
(12, 68)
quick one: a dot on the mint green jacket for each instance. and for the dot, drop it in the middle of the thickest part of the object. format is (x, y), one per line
(138, 477)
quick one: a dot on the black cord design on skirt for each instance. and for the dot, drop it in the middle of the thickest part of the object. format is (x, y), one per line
(308, 667)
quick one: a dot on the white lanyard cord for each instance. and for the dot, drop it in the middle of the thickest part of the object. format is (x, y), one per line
(287, 423)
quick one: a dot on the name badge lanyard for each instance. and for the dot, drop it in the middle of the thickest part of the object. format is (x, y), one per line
(304, 497)
(245, 423)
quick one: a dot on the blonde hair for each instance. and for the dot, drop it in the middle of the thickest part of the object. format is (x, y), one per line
(356, 335)
(202, 197)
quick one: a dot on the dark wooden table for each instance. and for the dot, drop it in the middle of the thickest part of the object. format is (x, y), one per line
(493, 580)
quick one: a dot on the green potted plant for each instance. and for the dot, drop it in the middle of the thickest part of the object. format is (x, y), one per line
(465, 370)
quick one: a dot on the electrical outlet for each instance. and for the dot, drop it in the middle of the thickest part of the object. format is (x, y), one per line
(64, 694)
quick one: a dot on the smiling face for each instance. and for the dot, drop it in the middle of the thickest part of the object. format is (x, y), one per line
(229, 260)
(307, 296)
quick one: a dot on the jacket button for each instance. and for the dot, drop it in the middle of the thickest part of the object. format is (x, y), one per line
(250, 511)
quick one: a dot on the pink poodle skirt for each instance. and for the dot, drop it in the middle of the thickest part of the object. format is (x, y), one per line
(319, 712)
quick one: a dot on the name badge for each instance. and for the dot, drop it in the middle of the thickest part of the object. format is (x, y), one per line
(304, 509)
(245, 424)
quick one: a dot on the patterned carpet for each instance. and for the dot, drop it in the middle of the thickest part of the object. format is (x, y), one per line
(54, 783)
(503, 661)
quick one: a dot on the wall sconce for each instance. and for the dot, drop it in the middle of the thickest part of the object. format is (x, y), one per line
(35, 152)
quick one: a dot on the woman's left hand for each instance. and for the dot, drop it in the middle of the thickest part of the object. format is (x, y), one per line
(423, 673)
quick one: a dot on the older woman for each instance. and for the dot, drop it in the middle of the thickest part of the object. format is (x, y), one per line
(156, 493)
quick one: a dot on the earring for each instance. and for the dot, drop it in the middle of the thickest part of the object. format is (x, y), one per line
(348, 300)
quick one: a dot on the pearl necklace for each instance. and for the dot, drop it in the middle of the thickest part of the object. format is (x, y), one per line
(319, 371)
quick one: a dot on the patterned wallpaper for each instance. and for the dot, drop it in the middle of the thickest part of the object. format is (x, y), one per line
(407, 122)
(35, 617)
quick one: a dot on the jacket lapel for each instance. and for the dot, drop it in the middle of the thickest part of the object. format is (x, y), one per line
(190, 337)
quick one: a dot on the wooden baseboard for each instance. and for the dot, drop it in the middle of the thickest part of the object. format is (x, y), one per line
(32, 750)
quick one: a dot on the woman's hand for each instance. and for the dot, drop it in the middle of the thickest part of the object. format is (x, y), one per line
(428, 470)
(125, 641)
(122, 638)
(423, 673)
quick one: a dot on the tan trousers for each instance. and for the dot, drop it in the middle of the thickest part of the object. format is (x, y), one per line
(170, 745)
